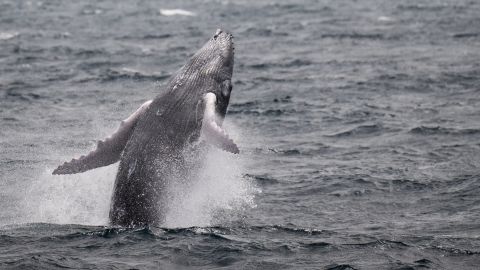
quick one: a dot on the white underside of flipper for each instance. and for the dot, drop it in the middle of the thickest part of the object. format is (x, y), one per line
(108, 151)
(211, 131)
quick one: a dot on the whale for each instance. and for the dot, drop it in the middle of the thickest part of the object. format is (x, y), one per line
(155, 145)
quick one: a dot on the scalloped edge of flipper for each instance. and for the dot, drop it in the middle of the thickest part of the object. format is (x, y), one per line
(108, 151)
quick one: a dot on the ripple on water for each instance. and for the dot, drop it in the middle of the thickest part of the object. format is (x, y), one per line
(438, 130)
(361, 131)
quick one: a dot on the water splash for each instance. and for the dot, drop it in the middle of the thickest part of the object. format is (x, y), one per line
(71, 199)
(218, 193)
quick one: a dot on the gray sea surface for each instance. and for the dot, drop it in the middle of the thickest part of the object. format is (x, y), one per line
(358, 124)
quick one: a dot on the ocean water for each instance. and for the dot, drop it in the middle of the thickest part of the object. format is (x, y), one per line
(358, 124)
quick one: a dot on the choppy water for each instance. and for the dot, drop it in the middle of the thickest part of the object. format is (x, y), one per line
(358, 123)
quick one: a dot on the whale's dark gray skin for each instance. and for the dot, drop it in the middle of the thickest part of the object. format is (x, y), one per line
(152, 143)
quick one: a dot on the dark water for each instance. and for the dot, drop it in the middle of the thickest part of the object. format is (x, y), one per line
(358, 123)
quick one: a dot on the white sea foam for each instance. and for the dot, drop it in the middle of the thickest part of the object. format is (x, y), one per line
(174, 12)
(131, 70)
(384, 19)
(8, 35)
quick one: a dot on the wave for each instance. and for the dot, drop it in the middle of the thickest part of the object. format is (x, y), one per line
(291, 230)
(22, 96)
(262, 32)
(128, 74)
(432, 8)
(263, 179)
(339, 267)
(58, 232)
(466, 35)
(382, 243)
(220, 246)
(258, 112)
(286, 64)
(438, 130)
(8, 35)
(276, 107)
(175, 12)
(455, 251)
(360, 131)
(147, 36)
(385, 19)
(299, 8)
(353, 36)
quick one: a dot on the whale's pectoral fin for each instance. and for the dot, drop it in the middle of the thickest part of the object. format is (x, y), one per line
(211, 131)
(108, 151)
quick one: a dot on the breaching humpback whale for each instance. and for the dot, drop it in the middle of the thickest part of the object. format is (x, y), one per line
(151, 143)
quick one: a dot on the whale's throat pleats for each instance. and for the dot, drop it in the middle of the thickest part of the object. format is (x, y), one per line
(109, 150)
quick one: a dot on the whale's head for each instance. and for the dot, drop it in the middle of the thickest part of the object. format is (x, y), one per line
(213, 63)
(215, 58)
